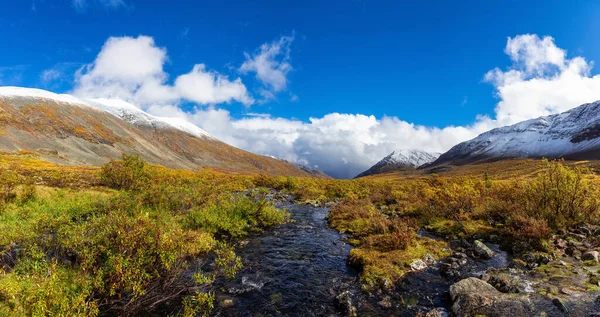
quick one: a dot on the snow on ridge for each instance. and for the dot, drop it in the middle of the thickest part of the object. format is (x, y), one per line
(12, 92)
(411, 157)
(119, 108)
(548, 136)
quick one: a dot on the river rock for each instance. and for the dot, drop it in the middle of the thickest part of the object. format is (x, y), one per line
(590, 256)
(470, 285)
(386, 302)
(428, 259)
(313, 203)
(560, 304)
(482, 250)
(473, 297)
(345, 303)
(227, 303)
(437, 312)
(418, 265)
(560, 243)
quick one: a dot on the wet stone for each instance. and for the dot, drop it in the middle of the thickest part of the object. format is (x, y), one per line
(483, 251)
(559, 303)
(344, 302)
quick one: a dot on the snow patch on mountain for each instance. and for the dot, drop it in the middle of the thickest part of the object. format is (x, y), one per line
(410, 157)
(401, 159)
(116, 107)
(13, 92)
(568, 134)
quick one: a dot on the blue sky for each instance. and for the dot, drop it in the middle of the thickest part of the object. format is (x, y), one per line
(422, 62)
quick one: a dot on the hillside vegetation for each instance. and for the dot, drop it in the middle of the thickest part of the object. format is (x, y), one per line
(127, 237)
(70, 134)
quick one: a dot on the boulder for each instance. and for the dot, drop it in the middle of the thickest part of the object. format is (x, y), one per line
(590, 256)
(482, 250)
(473, 297)
(470, 285)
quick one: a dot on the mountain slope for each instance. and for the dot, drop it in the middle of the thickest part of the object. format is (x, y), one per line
(404, 159)
(68, 130)
(574, 134)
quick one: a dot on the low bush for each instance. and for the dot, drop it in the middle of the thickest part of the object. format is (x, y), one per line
(128, 174)
(235, 215)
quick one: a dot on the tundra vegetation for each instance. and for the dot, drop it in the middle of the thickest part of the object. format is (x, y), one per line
(79, 241)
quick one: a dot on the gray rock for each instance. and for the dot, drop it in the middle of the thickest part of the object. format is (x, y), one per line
(345, 303)
(590, 256)
(418, 265)
(473, 297)
(470, 285)
(428, 259)
(482, 250)
(560, 304)
(385, 302)
(437, 312)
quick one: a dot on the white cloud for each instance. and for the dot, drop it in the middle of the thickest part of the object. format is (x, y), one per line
(271, 63)
(342, 145)
(131, 69)
(205, 87)
(50, 75)
(542, 80)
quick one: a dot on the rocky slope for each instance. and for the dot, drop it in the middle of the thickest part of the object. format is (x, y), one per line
(574, 134)
(69, 130)
(404, 159)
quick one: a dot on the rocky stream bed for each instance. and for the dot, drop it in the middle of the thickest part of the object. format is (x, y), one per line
(300, 269)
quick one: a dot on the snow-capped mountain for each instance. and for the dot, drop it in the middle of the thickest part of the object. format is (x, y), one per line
(403, 159)
(574, 134)
(119, 108)
(68, 130)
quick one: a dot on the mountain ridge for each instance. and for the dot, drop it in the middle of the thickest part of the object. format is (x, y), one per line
(573, 134)
(72, 131)
(402, 159)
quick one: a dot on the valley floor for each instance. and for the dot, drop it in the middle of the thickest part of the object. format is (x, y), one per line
(138, 239)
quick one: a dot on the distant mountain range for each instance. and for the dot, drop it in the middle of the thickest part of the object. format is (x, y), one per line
(69, 130)
(574, 134)
(403, 159)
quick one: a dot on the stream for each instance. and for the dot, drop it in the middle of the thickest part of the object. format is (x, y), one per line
(298, 269)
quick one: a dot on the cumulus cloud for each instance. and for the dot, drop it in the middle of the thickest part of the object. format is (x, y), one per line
(271, 63)
(131, 69)
(206, 87)
(541, 80)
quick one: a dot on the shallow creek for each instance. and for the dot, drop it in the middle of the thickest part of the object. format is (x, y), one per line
(298, 269)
